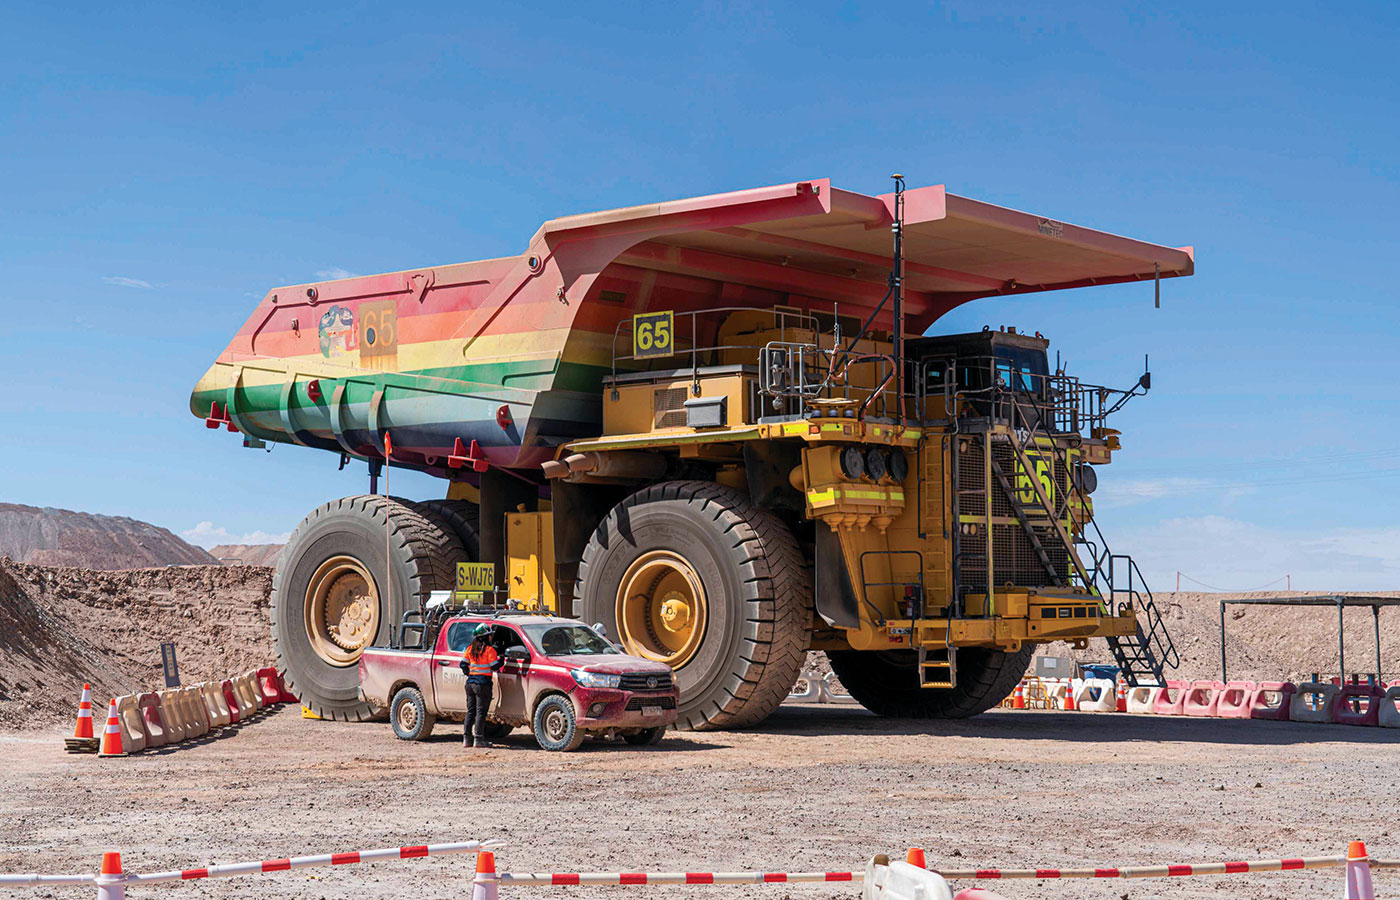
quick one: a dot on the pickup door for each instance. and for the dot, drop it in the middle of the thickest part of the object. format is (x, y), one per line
(449, 682)
(508, 701)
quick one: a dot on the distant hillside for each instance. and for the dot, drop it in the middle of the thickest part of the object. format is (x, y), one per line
(61, 537)
(247, 554)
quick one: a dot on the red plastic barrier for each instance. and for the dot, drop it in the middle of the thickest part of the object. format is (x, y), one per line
(1343, 714)
(1261, 708)
(1234, 699)
(286, 695)
(270, 686)
(231, 699)
(1202, 698)
(1165, 705)
(153, 719)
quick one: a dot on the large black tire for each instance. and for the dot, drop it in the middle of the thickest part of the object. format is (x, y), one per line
(886, 682)
(758, 590)
(422, 557)
(462, 517)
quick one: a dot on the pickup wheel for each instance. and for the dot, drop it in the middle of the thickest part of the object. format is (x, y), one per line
(647, 737)
(409, 715)
(690, 573)
(556, 727)
(886, 682)
(330, 599)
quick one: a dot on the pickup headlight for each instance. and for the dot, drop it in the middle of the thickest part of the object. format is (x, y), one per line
(595, 679)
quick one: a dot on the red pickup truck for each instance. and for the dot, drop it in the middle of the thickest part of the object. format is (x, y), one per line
(559, 677)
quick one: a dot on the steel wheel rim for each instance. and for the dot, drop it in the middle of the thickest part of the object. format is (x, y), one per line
(408, 715)
(556, 724)
(661, 608)
(342, 610)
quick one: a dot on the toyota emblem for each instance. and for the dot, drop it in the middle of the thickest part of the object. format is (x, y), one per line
(651, 682)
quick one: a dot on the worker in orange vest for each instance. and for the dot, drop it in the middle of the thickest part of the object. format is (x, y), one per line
(479, 660)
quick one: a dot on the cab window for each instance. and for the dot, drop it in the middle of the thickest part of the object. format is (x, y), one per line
(459, 635)
(503, 637)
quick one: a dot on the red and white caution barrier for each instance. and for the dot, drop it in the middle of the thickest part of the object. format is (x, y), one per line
(557, 879)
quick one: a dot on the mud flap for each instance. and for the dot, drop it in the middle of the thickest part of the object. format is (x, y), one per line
(836, 599)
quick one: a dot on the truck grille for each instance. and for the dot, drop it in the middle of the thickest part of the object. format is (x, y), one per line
(1014, 560)
(636, 703)
(658, 682)
(668, 405)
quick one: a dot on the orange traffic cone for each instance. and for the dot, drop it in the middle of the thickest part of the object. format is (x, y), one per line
(1358, 886)
(111, 883)
(112, 739)
(915, 857)
(1069, 696)
(1122, 697)
(1018, 700)
(485, 885)
(83, 740)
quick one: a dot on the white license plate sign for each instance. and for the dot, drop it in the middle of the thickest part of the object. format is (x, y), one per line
(651, 710)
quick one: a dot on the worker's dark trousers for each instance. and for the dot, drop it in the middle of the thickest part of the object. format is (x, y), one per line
(478, 702)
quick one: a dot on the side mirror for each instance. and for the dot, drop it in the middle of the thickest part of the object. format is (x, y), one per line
(517, 654)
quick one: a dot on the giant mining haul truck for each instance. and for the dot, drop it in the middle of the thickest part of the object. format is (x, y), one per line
(717, 427)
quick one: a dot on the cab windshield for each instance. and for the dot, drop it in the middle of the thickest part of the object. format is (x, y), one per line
(567, 640)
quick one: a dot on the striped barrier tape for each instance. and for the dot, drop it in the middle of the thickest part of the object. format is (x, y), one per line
(581, 878)
(539, 879)
(229, 870)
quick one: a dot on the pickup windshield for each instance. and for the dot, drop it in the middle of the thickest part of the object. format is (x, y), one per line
(567, 640)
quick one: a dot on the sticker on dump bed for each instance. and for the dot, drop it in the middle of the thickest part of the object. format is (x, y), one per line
(475, 578)
(653, 334)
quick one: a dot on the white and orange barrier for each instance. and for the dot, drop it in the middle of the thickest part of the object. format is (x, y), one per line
(1142, 698)
(1313, 702)
(1095, 695)
(1389, 712)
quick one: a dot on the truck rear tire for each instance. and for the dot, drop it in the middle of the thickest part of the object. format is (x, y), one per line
(329, 600)
(462, 517)
(886, 682)
(692, 574)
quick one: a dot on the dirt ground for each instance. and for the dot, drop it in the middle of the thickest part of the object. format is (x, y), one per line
(817, 787)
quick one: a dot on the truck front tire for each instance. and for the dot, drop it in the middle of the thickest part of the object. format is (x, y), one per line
(692, 574)
(886, 682)
(330, 598)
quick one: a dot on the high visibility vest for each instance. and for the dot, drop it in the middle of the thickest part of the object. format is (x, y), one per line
(479, 663)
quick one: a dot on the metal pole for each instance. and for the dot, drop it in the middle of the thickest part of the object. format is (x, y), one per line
(1376, 617)
(1341, 643)
(899, 295)
(1222, 641)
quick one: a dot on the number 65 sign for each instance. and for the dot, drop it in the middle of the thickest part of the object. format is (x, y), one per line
(653, 334)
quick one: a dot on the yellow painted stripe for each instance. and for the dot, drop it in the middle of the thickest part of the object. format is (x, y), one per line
(822, 498)
(646, 440)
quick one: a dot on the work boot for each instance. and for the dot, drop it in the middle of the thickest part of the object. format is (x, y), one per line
(466, 740)
(483, 744)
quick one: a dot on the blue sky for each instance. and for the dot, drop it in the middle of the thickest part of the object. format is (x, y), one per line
(162, 169)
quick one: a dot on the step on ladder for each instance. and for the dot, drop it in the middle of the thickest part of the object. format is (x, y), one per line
(938, 667)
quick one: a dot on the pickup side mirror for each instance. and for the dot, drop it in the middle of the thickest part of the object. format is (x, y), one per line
(517, 654)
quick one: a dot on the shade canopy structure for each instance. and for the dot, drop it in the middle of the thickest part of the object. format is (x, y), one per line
(1340, 601)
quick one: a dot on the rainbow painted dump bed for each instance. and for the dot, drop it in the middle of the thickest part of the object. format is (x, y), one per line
(500, 361)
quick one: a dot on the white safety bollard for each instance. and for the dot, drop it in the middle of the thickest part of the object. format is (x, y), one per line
(111, 883)
(485, 885)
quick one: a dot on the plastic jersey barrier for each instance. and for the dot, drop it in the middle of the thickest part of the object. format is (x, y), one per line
(1234, 699)
(1096, 695)
(1172, 699)
(207, 695)
(1202, 698)
(285, 695)
(1369, 696)
(194, 703)
(1271, 700)
(230, 700)
(246, 707)
(811, 693)
(1313, 702)
(174, 720)
(894, 880)
(1142, 698)
(153, 719)
(1389, 712)
(133, 725)
(269, 686)
(1055, 693)
(250, 681)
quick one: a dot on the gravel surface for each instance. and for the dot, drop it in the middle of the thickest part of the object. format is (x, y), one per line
(817, 787)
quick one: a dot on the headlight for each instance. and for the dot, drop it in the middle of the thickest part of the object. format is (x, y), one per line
(595, 679)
